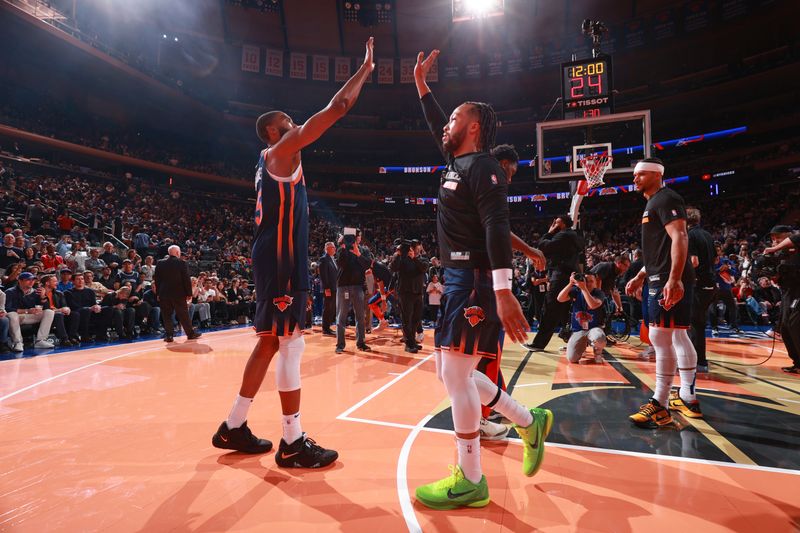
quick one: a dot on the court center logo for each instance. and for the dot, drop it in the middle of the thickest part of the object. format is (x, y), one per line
(283, 302)
(474, 315)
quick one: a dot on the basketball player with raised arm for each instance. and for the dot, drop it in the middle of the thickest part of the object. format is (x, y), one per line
(474, 238)
(280, 270)
(670, 280)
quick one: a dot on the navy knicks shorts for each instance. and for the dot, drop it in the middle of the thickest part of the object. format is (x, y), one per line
(281, 315)
(678, 316)
(468, 321)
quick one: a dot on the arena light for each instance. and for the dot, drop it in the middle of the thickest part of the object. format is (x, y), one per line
(472, 9)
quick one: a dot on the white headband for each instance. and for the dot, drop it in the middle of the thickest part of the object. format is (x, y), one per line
(645, 165)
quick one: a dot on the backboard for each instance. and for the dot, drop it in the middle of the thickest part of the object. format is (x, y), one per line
(562, 144)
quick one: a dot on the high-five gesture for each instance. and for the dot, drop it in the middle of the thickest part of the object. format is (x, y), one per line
(421, 70)
(369, 61)
(298, 137)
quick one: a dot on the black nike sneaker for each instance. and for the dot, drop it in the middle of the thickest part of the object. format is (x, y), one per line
(304, 453)
(240, 439)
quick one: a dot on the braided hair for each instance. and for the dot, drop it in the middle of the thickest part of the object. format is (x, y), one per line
(487, 119)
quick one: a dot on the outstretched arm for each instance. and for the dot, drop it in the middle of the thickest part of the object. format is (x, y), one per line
(434, 115)
(340, 104)
(536, 256)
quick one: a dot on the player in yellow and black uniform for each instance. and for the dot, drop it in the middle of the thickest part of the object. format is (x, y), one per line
(670, 279)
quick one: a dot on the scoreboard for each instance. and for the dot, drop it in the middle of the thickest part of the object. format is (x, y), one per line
(586, 88)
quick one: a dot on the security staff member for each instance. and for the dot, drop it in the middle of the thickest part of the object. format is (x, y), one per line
(411, 269)
(702, 255)
(562, 246)
(787, 244)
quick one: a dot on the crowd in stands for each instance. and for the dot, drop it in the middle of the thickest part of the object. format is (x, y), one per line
(111, 233)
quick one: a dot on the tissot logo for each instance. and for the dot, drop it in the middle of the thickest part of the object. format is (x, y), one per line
(282, 302)
(474, 315)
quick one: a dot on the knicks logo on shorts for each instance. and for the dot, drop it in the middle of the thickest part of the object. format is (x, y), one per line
(282, 302)
(474, 315)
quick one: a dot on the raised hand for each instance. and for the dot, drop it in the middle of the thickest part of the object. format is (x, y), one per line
(424, 64)
(369, 60)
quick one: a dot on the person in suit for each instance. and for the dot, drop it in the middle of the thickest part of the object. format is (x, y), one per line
(327, 275)
(173, 286)
(411, 269)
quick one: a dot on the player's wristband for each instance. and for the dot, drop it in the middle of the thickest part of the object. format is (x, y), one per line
(501, 279)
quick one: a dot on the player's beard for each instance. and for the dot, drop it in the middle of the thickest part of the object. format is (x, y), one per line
(454, 141)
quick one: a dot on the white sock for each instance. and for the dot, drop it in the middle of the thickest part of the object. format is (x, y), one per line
(238, 413)
(291, 428)
(666, 362)
(505, 405)
(687, 364)
(469, 458)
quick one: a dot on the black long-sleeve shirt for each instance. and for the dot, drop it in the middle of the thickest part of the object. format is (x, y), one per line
(472, 217)
(562, 251)
(78, 298)
(351, 267)
(411, 273)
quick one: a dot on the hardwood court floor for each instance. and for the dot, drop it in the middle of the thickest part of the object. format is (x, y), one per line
(118, 438)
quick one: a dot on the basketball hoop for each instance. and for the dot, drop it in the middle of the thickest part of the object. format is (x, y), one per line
(594, 167)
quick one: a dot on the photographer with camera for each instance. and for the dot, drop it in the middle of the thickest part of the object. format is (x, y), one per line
(411, 269)
(352, 261)
(786, 247)
(588, 316)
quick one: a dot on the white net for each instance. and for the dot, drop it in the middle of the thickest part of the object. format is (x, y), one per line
(594, 167)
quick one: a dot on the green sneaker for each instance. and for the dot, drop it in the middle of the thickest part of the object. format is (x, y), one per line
(454, 491)
(533, 436)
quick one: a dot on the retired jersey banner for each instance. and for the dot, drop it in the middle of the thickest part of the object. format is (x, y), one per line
(251, 58)
(386, 71)
(433, 73)
(298, 66)
(407, 69)
(274, 62)
(341, 67)
(321, 68)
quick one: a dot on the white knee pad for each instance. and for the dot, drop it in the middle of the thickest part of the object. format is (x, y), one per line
(684, 350)
(287, 367)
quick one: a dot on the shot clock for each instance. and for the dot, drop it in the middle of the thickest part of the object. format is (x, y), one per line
(586, 89)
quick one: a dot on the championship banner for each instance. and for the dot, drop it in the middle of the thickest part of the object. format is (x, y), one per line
(274, 62)
(473, 67)
(664, 26)
(495, 64)
(536, 58)
(321, 68)
(451, 68)
(407, 69)
(515, 61)
(251, 58)
(634, 34)
(385, 71)
(695, 15)
(433, 73)
(298, 66)
(733, 8)
(341, 67)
